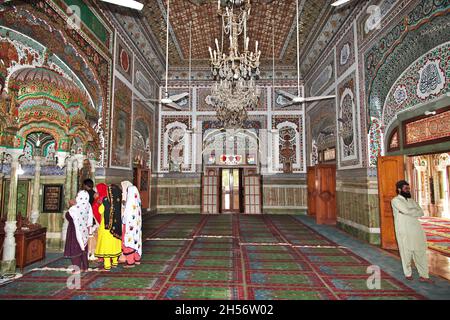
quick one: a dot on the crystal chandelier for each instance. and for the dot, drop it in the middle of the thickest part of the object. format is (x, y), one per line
(235, 90)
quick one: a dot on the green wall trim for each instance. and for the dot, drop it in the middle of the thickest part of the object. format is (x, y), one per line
(372, 238)
(89, 18)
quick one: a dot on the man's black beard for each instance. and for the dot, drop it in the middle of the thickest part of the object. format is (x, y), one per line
(407, 195)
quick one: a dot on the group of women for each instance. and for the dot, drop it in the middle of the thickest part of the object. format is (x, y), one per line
(114, 219)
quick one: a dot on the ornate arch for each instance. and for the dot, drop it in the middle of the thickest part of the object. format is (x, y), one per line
(60, 136)
(405, 42)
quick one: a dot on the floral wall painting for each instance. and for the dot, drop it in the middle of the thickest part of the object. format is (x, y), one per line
(124, 59)
(143, 136)
(175, 144)
(345, 52)
(287, 144)
(121, 129)
(323, 77)
(347, 119)
(423, 81)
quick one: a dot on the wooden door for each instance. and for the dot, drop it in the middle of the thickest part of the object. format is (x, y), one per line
(312, 192)
(142, 182)
(326, 194)
(252, 192)
(390, 170)
(210, 192)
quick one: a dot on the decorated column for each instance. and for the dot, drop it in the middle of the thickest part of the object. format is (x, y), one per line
(36, 189)
(76, 166)
(93, 166)
(9, 244)
(67, 196)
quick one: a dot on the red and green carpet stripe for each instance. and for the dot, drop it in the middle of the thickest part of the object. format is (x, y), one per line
(222, 257)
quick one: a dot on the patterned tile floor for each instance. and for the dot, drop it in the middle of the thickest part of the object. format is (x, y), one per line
(231, 257)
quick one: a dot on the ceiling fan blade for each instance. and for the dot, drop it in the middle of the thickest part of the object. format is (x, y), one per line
(180, 96)
(173, 105)
(310, 99)
(288, 104)
(146, 100)
(339, 3)
(127, 3)
(286, 94)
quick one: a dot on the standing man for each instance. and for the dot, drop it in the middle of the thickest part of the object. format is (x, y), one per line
(411, 238)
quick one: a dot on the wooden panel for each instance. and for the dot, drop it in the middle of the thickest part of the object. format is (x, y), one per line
(210, 193)
(30, 246)
(252, 194)
(390, 170)
(312, 192)
(142, 181)
(326, 194)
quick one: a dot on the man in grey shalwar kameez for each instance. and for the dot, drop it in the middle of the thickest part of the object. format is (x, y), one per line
(411, 238)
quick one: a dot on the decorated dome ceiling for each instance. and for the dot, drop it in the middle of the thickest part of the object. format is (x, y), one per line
(36, 82)
(268, 18)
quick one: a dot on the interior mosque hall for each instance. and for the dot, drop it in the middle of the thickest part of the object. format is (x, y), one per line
(225, 149)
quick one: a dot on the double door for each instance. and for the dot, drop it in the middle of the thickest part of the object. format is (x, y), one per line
(231, 190)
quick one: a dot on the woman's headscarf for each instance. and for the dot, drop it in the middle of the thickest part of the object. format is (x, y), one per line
(113, 211)
(132, 219)
(81, 214)
(125, 185)
(102, 190)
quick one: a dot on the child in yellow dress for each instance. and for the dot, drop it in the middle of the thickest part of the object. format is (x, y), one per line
(109, 243)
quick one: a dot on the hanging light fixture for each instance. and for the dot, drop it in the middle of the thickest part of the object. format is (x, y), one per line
(235, 90)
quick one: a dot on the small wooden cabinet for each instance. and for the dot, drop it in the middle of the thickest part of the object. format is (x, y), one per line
(30, 245)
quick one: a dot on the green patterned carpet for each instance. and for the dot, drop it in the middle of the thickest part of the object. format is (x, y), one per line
(224, 257)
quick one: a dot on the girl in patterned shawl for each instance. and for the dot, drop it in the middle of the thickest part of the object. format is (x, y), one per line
(80, 219)
(109, 244)
(132, 228)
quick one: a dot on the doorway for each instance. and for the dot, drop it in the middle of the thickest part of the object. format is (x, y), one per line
(231, 194)
(429, 177)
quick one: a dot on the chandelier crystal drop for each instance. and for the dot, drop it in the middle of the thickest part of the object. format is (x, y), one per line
(235, 90)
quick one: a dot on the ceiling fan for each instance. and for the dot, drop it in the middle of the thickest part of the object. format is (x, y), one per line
(126, 3)
(340, 3)
(172, 101)
(169, 101)
(298, 99)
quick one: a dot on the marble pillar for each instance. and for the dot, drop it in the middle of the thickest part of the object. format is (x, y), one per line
(75, 167)
(36, 190)
(93, 166)
(9, 245)
(67, 197)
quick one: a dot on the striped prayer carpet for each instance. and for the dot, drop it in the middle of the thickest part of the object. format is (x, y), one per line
(437, 231)
(223, 257)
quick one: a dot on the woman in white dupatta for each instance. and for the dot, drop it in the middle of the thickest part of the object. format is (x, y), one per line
(124, 185)
(132, 228)
(80, 219)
